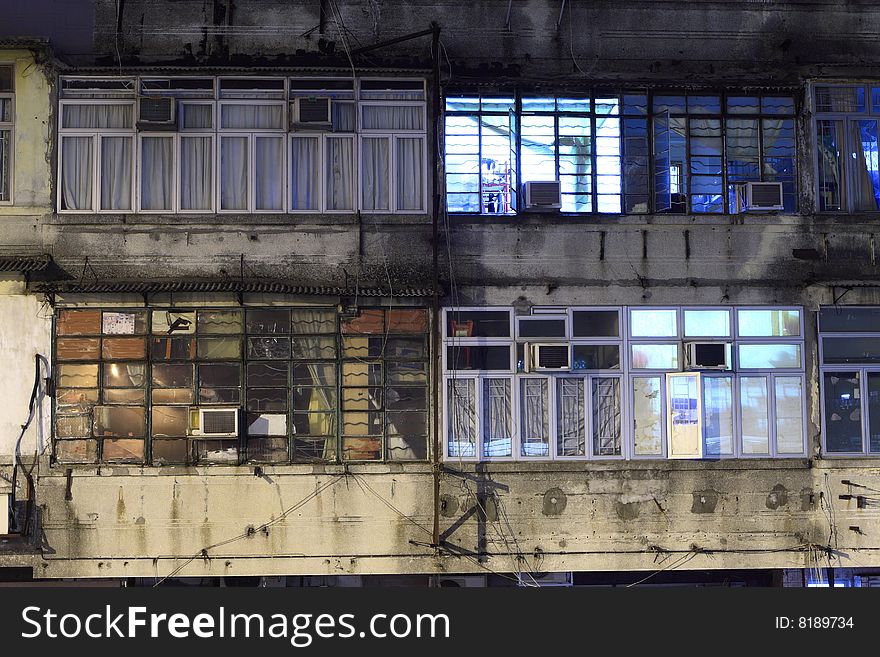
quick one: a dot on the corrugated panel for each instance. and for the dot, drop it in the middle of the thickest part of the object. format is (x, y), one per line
(238, 70)
(266, 287)
(24, 264)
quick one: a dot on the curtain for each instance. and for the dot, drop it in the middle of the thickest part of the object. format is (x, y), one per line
(97, 116)
(410, 174)
(116, 173)
(866, 184)
(535, 418)
(392, 117)
(340, 173)
(305, 181)
(342, 116)
(376, 174)
(76, 173)
(269, 173)
(157, 164)
(252, 117)
(195, 173)
(497, 423)
(234, 173)
(572, 430)
(829, 146)
(196, 116)
(462, 439)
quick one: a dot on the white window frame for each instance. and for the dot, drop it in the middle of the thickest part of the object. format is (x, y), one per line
(9, 126)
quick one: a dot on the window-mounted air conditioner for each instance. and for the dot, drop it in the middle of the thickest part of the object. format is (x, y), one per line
(157, 113)
(542, 195)
(310, 112)
(213, 422)
(543, 357)
(759, 196)
(707, 355)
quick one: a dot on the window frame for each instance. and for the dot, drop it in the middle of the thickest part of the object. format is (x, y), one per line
(9, 126)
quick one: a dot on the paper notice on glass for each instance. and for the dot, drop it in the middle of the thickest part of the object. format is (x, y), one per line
(118, 323)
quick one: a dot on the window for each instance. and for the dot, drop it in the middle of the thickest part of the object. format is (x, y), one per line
(636, 152)
(626, 390)
(235, 145)
(847, 170)
(849, 348)
(282, 383)
(7, 120)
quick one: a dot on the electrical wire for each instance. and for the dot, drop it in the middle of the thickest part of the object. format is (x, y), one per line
(250, 531)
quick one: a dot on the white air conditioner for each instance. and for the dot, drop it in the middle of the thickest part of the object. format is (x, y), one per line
(764, 196)
(310, 111)
(213, 422)
(157, 113)
(543, 357)
(542, 195)
(707, 355)
(462, 581)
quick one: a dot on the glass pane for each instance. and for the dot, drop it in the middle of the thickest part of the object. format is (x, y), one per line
(305, 173)
(596, 357)
(219, 375)
(498, 418)
(119, 421)
(647, 416)
(571, 428)
(718, 415)
(219, 321)
(462, 409)
(157, 173)
(865, 189)
(196, 173)
(339, 174)
(840, 99)
(843, 412)
(410, 167)
(267, 424)
(268, 321)
(267, 400)
(172, 376)
(77, 376)
(478, 324)
(595, 323)
(76, 173)
(314, 374)
(754, 413)
(874, 412)
(606, 417)
(843, 319)
(167, 322)
(268, 347)
(124, 375)
(77, 348)
(768, 323)
(170, 421)
(375, 174)
(655, 356)
(769, 356)
(219, 348)
(266, 374)
(541, 328)
(172, 349)
(116, 178)
(234, 173)
(651, 323)
(836, 351)
(789, 414)
(830, 142)
(123, 396)
(124, 323)
(707, 323)
(307, 321)
(534, 418)
(478, 358)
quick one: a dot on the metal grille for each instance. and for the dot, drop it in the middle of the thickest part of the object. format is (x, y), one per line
(218, 422)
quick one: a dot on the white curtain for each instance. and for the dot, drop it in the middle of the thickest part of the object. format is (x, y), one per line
(376, 173)
(157, 166)
(269, 173)
(392, 117)
(342, 117)
(195, 173)
(253, 117)
(234, 173)
(97, 116)
(196, 116)
(535, 418)
(305, 181)
(116, 173)
(410, 174)
(340, 173)
(76, 173)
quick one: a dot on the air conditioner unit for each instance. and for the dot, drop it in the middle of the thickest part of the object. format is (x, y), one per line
(157, 113)
(707, 355)
(213, 422)
(543, 195)
(763, 196)
(542, 357)
(463, 581)
(310, 112)
(546, 579)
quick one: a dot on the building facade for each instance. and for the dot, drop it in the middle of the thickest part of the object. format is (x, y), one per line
(509, 289)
